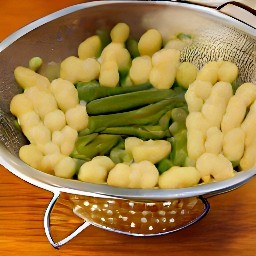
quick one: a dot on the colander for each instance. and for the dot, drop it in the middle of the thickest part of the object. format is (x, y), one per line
(139, 212)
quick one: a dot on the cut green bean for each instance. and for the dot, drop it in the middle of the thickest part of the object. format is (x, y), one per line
(93, 90)
(98, 146)
(79, 163)
(83, 141)
(180, 157)
(235, 84)
(132, 47)
(127, 101)
(105, 38)
(165, 120)
(179, 148)
(176, 127)
(142, 132)
(35, 63)
(179, 115)
(164, 165)
(119, 155)
(181, 139)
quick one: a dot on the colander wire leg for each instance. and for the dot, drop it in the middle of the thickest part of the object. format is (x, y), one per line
(47, 225)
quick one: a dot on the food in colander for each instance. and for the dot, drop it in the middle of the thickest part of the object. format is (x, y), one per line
(129, 114)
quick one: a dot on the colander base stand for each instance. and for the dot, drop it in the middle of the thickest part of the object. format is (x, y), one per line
(135, 218)
(49, 215)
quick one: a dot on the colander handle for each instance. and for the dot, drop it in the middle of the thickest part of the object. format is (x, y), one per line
(239, 11)
(47, 224)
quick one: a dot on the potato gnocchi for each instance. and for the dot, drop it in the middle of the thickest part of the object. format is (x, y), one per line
(194, 129)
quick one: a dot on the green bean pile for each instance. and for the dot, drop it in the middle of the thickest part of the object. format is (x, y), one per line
(139, 111)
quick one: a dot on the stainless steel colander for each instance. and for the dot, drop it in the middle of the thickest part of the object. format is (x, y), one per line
(56, 36)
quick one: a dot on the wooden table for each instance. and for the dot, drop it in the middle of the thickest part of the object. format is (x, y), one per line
(228, 229)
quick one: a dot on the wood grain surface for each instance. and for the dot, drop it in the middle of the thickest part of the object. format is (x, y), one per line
(228, 229)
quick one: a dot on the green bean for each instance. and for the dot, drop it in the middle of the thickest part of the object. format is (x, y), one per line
(235, 84)
(181, 139)
(148, 115)
(142, 132)
(126, 81)
(132, 47)
(35, 63)
(93, 90)
(84, 132)
(98, 145)
(179, 115)
(119, 155)
(165, 120)
(79, 163)
(179, 148)
(127, 101)
(164, 165)
(176, 127)
(83, 141)
(180, 157)
(105, 38)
